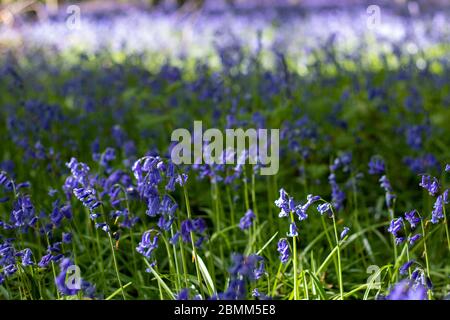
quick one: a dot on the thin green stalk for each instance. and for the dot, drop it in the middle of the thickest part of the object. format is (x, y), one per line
(341, 289)
(446, 228)
(426, 254)
(294, 259)
(115, 265)
(194, 251)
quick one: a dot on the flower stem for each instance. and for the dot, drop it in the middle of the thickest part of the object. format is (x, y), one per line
(115, 265)
(341, 289)
(294, 260)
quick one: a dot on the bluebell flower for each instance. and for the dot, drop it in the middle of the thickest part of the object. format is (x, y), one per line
(293, 231)
(153, 205)
(283, 250)
(168, 205)
(447, 167)
(385, 183)
(390, 196)
(324, 208)
(251, 267)
(256, 293)
(395, 226)
(186, 229)
(183, 294)
(438, 210)
(344, 232)
(5, 181)
(300, 210)
(103, 226)
(45, 260)
(147, 244)
(405, 267)
(337, 195)
(430, 184)
(181, 179)
(414, 238)
(23, 214)
(247, 220)
(236, 290)
(67, 237)
(52, 192)
(376, 165)
(283, 202)
(165, 223)
(87, 197)
(413, 218)
(61, 279)
(27, 257)
(174, 239)
(406, 290)
(79, 171)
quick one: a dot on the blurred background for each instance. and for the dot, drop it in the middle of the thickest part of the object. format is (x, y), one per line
(12, 12)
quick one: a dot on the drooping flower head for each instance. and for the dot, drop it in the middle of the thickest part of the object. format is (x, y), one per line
(376, 165)
(283, 250)
(430, 184)
(247, 220)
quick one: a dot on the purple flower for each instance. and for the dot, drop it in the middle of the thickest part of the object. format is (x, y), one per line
(255, 293)
(65, 288)
(337, 195)
(103, 226)
(300, 210)
(344, 232)
(447, 167)
(27, 257)
(376, 165)
(183, 294)
(395, 226)
(23, 214)
(293, 231)
(283, 250)
(284, 203)
(438, 208)
(324, 208)
(186, 228)
(405, 267)
(430, 184)
(147, 244)
(45, 260)
(251, 267)
(406, 290)
(385, 183)
(414, 238)
(67, 237)
(247, 220)
(87, 197)
(80, 172)
(413, 218)
(153, 205)
(168, 205)
(5, 181)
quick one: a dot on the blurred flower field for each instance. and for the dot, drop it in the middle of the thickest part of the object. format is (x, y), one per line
(92, 207)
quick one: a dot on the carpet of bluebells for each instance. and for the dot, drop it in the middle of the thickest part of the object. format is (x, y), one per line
(356, 211)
